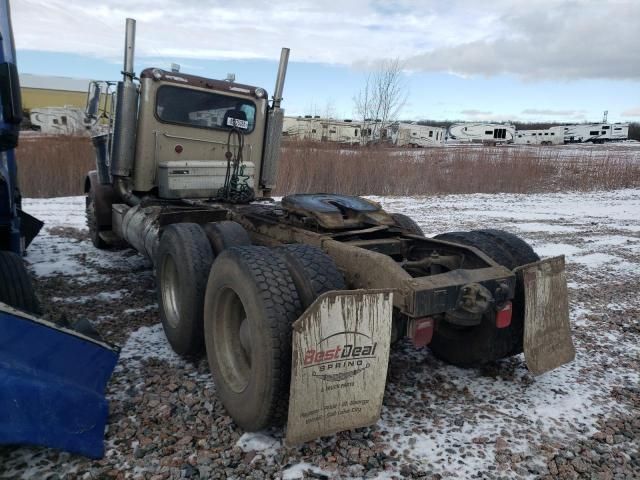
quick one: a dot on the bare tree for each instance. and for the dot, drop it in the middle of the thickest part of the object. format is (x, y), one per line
(381, 99)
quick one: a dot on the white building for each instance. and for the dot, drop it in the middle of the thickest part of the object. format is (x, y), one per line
(490, 133)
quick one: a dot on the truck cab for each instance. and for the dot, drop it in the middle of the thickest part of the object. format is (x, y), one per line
(185, 126)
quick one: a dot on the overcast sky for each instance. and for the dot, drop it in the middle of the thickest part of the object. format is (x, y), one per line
(523, 60)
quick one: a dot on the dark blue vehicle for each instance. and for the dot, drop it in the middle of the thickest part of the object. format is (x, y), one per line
(17, 229)
(52, 378)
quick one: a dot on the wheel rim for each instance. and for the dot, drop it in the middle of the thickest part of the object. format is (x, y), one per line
(170, 291)
(233, 341)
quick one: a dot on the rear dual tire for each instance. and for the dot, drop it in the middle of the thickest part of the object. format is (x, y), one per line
(407, 223)
(183, 262)
(253, 296)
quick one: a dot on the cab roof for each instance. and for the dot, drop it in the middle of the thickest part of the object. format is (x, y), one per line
(200, 82)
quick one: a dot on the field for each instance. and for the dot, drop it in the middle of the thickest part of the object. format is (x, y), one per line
(56, 166)
(579, 421)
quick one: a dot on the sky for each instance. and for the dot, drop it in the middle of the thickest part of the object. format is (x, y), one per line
(564, 61)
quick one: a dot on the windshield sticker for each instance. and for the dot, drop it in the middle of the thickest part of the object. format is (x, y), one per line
(236, 122)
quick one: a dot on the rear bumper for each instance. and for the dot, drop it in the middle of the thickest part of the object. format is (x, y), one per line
(440, 293)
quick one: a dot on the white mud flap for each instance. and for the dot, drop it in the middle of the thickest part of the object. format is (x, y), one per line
(339, 363)
(547, 334)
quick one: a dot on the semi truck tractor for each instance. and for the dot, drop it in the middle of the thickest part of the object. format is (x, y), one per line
(295, 302)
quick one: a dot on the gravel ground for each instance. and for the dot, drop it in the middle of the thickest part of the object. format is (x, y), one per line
(579, 421)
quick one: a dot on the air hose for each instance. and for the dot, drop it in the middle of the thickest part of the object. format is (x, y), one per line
(236, 187)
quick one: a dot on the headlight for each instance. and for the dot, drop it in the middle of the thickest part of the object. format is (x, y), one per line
(260, 92)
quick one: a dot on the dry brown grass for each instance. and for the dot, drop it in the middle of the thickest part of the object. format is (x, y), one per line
(53, 166)
(56, 166)
(466, 169)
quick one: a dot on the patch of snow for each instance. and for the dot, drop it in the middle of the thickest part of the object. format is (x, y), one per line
(597, 260)
(257, 442)
(555, 249)
(141, 309)
(614, 240)
(544, 227)
(148, 342)
(298, 471)
(101, 296)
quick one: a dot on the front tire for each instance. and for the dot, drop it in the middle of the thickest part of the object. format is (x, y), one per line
(183, 262)
(92, 223)
(251, 303)
(16, 289)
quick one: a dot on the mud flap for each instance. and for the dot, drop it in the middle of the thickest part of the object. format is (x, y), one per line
(339, 363)
(547, 334)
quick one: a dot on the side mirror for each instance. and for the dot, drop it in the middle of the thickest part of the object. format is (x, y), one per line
(10, 94)
(93, 101)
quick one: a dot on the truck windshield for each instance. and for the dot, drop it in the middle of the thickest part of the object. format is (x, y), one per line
(196, 108)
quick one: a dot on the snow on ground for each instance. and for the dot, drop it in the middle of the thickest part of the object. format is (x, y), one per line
(436, 418)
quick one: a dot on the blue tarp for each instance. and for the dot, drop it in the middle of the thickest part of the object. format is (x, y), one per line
(52, 384)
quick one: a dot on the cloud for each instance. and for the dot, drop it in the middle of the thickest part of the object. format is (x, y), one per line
(323, 32)
(553, 113)
(547, 40)
(533, 40)
(475, 113)
(632, 112)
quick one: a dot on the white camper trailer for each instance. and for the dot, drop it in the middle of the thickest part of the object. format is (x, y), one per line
(59, 120)
(549, 136)
(490, 133)
(302, 128)
(341, 131)
(414, 135)
(323, 129)
(596, 132)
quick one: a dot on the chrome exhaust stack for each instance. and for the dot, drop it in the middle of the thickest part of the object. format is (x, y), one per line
(282, 73)
(273, 133)
(124, 132)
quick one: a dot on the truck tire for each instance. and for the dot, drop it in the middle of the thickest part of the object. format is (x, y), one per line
(522, 253)
(183, 262)
(225, 234)
(92, 223)
(251, 303)
(407, 223)
(473, 346)
(16, 289)
(313, 271)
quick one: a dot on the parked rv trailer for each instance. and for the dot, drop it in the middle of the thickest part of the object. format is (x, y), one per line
(490, 133)
(59, 120)
(322, 129)
(341, 131)
(549, 136)
(414, 135)
(302, 128)
(596, 132)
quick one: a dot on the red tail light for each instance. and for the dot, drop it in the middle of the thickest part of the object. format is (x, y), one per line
(503, 316)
